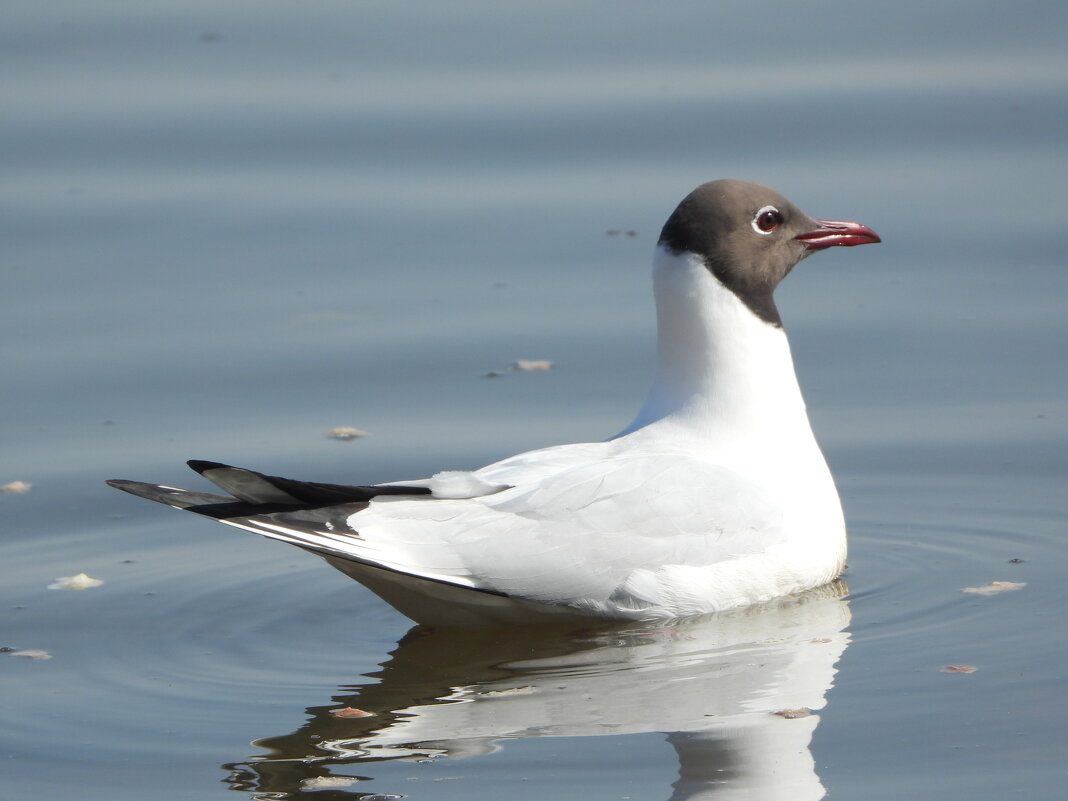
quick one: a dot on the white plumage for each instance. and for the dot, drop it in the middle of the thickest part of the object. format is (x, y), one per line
(715, 496)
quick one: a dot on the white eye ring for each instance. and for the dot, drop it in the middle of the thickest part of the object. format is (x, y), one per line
(769, 216)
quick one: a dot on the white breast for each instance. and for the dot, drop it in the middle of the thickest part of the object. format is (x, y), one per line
(715, 496)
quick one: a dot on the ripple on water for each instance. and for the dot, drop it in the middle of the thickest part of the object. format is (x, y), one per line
(183, 625)
(211, 627)
(244, 630)
(908, 601)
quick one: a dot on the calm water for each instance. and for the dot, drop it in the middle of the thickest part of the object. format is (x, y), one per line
(229, 228)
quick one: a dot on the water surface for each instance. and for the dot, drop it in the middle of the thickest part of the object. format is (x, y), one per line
(229, 229)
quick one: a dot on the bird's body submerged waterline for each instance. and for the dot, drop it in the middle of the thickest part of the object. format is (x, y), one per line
(715, 496)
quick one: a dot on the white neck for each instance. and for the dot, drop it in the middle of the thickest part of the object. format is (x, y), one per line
(726, 392)
(722, 372)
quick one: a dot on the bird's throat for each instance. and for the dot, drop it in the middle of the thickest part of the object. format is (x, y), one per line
(720, 368)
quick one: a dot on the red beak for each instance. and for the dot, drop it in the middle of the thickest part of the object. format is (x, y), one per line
(832, 233)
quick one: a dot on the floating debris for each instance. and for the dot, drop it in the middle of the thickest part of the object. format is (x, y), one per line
(995, 587)
(531, 365)
(347, 432)
(351, 712)
(959, 669)
(16, 487)
(82, 581)
(522, 366)
(326, 782)
(794, 714)
(525, 690)
(31, 653)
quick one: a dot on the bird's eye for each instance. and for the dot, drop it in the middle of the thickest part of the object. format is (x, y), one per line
(767, 220)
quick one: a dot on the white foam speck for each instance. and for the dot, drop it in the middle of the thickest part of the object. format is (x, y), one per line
(347, 432)
(81, 581)
(530, 365)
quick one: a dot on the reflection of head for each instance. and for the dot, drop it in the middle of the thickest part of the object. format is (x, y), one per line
(714, 685)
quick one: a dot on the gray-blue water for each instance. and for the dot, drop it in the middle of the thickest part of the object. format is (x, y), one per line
(230, 227)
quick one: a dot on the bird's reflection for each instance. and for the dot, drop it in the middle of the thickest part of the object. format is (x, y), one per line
(734, 693)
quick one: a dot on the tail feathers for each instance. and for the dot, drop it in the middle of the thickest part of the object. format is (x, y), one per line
(320, 528)
(208, 504)
(258, 488)
(315, 527)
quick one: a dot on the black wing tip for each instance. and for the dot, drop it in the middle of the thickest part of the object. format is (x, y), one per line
(307, 494)
(202, 465)
(124, 484)
(141, 489)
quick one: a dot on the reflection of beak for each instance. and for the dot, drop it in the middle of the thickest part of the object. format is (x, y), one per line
(832, 233)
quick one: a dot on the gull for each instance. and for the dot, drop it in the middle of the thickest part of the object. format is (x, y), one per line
(715, 496)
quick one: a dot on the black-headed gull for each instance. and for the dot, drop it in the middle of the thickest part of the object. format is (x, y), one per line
(715, 496)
